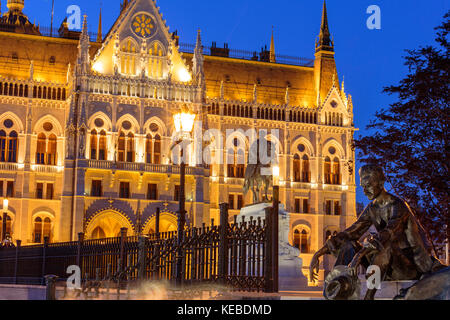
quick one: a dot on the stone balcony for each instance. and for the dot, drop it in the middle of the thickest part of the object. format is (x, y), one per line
(143, 167)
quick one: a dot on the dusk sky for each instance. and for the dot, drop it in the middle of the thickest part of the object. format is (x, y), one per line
(369, 59)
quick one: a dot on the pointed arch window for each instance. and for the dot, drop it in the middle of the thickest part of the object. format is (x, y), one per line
(336, 174)
(41, 148)
(93, 145)
(130, 148)
(157, 150)
(51, 150)
(8, 146)
(327, 171)
(297, 165)
(102, 146)
(121, 146)
(148, 149)
(98, 145)
(236, 161)
(306, 173)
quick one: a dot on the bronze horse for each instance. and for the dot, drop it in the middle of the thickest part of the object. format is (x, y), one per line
(254, 180)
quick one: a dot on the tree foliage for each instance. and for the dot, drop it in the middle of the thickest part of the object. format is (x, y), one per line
(410, 139)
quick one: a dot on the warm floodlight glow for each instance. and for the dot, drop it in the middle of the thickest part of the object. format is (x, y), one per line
(5, 205)
(98, 67)
(184, 75)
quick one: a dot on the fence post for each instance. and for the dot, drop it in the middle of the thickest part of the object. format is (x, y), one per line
(79, 245)
(268, 263)
(44, 258)
(223, 244)
(123, 234)
(16, 266)
(50, 290)
(142, 259)
(275, 236)
(157, 218)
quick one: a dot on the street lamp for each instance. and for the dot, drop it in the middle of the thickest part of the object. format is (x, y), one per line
(184, 123)
(5, 217)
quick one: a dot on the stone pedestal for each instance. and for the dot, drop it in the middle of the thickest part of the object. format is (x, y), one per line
(291, 277)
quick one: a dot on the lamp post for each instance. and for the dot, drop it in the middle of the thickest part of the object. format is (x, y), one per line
(275, 234)
(184, 123)
(5, 217)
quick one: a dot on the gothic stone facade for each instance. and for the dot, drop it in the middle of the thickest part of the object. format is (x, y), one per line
(86, 130)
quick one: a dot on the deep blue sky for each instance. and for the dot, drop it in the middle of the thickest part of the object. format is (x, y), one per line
(369, 59)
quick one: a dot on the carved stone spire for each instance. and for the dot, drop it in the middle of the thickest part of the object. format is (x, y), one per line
(324, 43)
(83, 62)
(272, 49)
(99, 32)
(197, 69)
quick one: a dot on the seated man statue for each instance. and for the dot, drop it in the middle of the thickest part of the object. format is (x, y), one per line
(399, 248)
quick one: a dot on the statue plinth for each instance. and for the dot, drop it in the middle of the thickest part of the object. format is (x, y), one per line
(290, 277)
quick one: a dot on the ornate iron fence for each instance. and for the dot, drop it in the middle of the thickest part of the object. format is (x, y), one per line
(232, 255)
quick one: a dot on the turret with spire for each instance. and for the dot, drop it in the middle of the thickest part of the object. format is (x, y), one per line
(324, 42)
(325, 74)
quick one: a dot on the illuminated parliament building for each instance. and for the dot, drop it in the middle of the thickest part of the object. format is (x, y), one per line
(86, 127)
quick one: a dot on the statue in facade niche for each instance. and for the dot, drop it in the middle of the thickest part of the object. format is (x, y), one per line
(258, 175)
(400, 247)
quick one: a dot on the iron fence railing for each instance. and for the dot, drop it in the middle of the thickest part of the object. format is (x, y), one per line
(233, 255)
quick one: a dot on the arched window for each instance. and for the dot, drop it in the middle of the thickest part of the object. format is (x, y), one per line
(93, 145)
(148, 148)
(37, 234)
(47, 229)
(130, 148)
(121, 146)
(236, 161)
(8, 146)
(98, 145)
(297, 168)
(51, 150)
(157, 150)
(296, 239)
(12, 147)
(98, 233)
(306, 173)
(300, 240)
(336, 179)
(304, 245)
(128, 57)
(42, 229)
(327, 170)
(41, 148)
(3, 144)
(102, 146)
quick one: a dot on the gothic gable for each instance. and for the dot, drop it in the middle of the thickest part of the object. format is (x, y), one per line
(138, 44)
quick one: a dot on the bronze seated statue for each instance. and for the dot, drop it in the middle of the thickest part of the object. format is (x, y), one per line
(400, 248)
